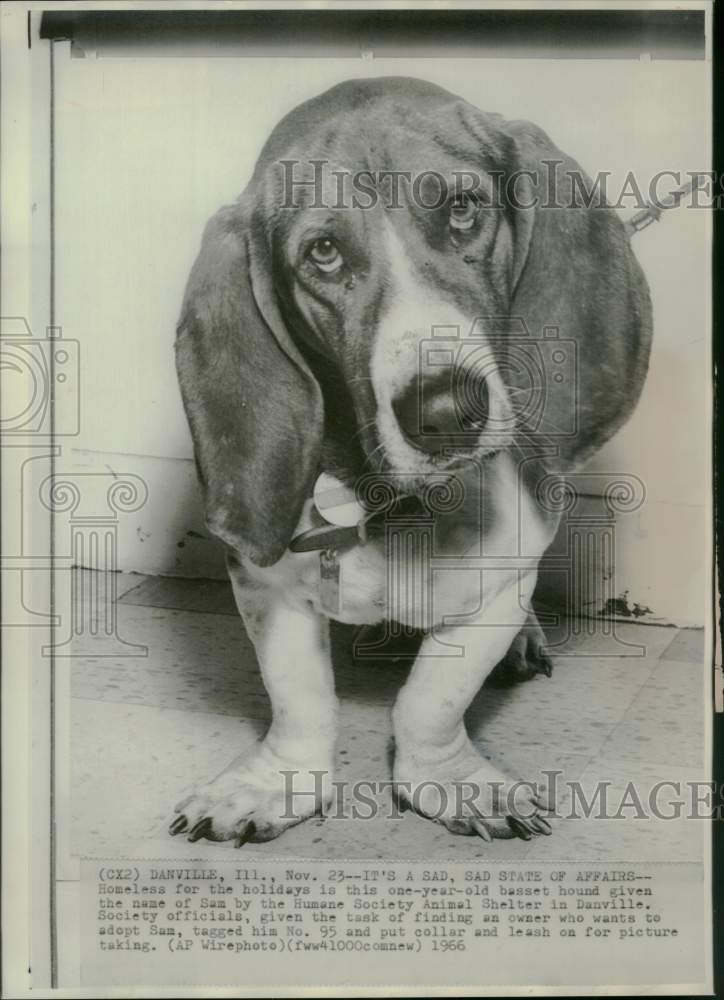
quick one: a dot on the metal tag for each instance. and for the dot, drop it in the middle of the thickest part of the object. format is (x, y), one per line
(337, 503)
(329, 581)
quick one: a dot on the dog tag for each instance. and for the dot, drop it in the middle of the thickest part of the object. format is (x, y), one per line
(329, 581)
(336, 502)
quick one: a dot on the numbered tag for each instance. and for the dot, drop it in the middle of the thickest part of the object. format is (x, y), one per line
(329, 581)
(336, 502)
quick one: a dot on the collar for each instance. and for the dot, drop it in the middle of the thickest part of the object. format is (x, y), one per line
(329, 536)
(334, 536)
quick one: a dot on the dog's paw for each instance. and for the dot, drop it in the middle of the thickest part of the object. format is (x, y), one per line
(253, 800)
(525, 658)
(484, 803)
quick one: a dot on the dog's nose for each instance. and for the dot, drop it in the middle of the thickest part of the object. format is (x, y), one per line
(448, 409)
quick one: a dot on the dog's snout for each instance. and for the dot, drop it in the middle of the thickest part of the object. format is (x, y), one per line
(448, 409)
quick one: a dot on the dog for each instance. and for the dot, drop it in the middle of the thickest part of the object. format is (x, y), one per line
(299, 356)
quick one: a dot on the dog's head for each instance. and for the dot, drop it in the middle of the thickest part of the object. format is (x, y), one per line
(414, 280)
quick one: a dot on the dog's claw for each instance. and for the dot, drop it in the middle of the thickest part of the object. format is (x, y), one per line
(201, 829)
(519, 828)
(482, 830)
(244, 833)
(178, 825)
(541, 826)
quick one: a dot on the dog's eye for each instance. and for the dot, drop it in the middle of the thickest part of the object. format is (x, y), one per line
(463, 212)
(325, 255)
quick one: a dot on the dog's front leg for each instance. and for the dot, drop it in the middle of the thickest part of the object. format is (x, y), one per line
(287, 777)
(436, 766)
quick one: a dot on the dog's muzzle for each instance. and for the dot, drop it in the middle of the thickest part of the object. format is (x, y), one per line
(447, 410)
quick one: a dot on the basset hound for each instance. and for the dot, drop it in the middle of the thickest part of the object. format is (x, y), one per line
(403, 307)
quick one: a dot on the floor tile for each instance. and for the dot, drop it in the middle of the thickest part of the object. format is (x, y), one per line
(688, 646)
(123, 581)
(131, 763)
(630, 838)
(597, 637)
(573, 712)
(209, 596)
(665, 722)
(126, 582)
(197, 662)
(147, 728)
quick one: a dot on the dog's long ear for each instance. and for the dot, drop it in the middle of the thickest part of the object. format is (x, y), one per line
(254, 408)
(576, 272)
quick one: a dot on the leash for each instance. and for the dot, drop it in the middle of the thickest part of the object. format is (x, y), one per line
(653, 212)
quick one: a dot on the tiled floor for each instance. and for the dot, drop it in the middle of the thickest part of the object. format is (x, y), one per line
(146, 728)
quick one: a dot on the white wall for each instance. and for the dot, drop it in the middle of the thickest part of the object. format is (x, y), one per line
(148, 148)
